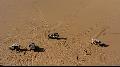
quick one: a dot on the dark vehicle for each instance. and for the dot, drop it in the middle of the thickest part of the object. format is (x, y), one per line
(35, 48)
(32, 46)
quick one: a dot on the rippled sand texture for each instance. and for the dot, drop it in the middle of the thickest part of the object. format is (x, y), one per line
(23, 21)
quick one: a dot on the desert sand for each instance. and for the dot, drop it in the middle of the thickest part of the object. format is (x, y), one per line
(25, 21)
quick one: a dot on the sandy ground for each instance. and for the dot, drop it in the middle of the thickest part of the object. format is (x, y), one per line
(23, 21)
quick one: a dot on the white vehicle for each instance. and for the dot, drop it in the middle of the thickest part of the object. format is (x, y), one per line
(99, 43)
(15, 46)
(96, 41)
(53, 36)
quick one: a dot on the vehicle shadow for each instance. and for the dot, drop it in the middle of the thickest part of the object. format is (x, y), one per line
(58, 38)
(61, 38)
(24, 49)
(103, 45)
(38, 49)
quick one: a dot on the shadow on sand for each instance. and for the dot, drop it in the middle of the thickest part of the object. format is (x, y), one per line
(61, 38)
(58, 38)
(38, 49)
(25, 49)
(103, 45)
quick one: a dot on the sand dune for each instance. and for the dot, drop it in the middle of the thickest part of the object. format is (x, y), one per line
(79, 21)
